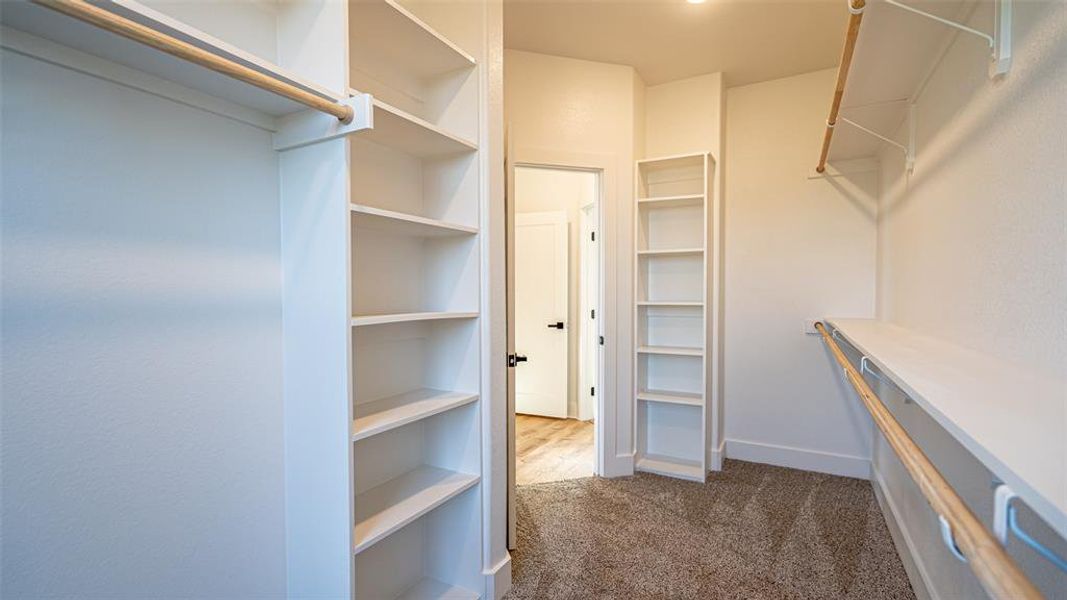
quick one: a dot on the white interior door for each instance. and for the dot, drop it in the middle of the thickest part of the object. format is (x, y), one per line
(541, 313)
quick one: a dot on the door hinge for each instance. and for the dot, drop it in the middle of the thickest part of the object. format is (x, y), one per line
(601, 340)
(592, 314)
(592, 236)
(592, 391)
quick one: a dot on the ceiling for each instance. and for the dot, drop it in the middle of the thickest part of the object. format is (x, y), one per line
(666, 40)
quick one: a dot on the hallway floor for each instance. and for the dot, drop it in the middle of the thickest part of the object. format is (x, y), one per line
(752, 532)
(552, 449)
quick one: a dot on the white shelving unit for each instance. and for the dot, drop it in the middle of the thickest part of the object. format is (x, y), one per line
(1020, 441)
(380, 258)
(382, 230)
(414, 268)
(676, 266)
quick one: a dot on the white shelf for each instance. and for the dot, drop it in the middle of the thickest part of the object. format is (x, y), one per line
(699, 156)
(389, 413)
(431, 589)
(672, 201)
(671, 467)
(670, 350)
(364, 320)
(403, 41)
(59, 28)
(1013, 420)
(397, 129)
(670, 252)
(685, 398)
(668, 303)
(380, 219)
(384, 509)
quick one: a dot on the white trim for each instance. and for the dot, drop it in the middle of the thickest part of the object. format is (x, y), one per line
(59, 55)
(614, 404)
(909, 556)
(620, 465)
(798, 458)
(498, 579)
(716, 456)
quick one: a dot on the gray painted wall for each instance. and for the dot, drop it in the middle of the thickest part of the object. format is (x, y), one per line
(141, 345)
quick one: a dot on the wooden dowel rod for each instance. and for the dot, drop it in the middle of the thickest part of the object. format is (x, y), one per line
(79, 9)
(855, 17)
(996, 571)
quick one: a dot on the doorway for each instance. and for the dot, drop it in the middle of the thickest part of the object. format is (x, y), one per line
(556, 271)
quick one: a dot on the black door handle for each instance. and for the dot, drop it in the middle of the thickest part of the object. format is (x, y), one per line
(556, 325)
(514, 359)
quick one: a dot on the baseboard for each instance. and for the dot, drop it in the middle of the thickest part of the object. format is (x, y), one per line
(909, 557)
(498, 579)
(620, 465)
(797, 458)
(716, 456)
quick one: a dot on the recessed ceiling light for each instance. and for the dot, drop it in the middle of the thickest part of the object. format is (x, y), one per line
(696, 1)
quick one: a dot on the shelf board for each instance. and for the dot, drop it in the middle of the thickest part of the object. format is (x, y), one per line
(1013, 420)
(685, 398)
(671, 252)
(397, 129)
(672, 201)
(364, 320)
(432, 589)
(386, 508)
(671, 467)
(380, 219)
(406, 43)
(670, 350)
(389, 413)
(672, 158)
(669, 303)
(59, 28)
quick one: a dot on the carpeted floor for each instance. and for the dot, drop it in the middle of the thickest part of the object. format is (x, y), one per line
(752, 532)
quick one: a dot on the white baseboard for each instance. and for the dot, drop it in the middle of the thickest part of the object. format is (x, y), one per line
(798, 458)
(620, 465)
(909, 556)
(716, 456)
(498, 579)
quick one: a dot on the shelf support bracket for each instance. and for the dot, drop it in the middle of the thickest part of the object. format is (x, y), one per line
(999, 42)
(1005, 523)
(908, 150)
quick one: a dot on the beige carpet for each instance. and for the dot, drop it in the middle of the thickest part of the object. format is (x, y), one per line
(752, 532)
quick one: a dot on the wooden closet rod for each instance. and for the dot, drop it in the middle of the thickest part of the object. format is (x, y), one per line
(855, 17)
(996, 571)
(79, 9)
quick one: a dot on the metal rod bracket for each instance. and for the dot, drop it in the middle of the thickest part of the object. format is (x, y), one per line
(1005, 522)
(999, 42)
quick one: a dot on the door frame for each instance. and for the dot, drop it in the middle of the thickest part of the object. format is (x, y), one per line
(614, 423)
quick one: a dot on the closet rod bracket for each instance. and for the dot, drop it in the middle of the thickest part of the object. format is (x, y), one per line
(1005, 523)
(999, 42)
(308, 127)
(908, 150)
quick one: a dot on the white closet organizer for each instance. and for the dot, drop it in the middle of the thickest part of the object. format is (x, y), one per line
(381, 265)
(415, 332)
(675, 241)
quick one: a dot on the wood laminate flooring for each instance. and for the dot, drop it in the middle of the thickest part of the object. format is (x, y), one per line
(552, 449)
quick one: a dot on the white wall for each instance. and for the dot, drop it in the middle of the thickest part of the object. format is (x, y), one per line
(974, 251)
(797, 248)
(684, 116)
(584, 110)
(540, 190)
(141, 349)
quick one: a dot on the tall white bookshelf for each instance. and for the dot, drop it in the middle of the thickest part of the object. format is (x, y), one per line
(386, 223)
(675, 315)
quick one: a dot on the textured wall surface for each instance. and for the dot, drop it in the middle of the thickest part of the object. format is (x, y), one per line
(141, 345)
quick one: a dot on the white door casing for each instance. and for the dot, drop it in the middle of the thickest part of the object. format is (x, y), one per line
(541, 281)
